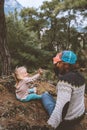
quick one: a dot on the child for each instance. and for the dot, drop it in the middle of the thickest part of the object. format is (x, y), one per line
(24, 92)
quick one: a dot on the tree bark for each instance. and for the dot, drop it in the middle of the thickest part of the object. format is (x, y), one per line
(4, 52)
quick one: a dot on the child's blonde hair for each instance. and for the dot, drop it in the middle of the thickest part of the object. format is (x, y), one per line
(19, 73)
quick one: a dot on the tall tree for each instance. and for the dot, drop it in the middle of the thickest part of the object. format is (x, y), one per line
(4, 52)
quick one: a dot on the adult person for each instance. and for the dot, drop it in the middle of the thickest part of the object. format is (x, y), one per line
(69, 105)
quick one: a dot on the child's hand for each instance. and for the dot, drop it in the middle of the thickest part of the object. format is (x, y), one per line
(40, 71)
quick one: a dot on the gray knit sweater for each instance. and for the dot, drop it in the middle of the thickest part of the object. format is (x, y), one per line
(70, 88)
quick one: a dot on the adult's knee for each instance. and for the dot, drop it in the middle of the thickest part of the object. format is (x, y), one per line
(45, 94)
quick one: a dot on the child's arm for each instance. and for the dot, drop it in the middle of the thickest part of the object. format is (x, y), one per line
(35, 77)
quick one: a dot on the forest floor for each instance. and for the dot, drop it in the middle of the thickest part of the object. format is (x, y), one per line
(15, 115)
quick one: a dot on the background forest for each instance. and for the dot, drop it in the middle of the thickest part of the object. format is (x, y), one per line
(34, 36)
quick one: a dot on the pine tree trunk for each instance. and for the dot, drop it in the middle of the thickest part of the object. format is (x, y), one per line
(4, 52)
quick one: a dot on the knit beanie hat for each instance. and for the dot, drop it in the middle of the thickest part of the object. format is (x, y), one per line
(65, 56)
